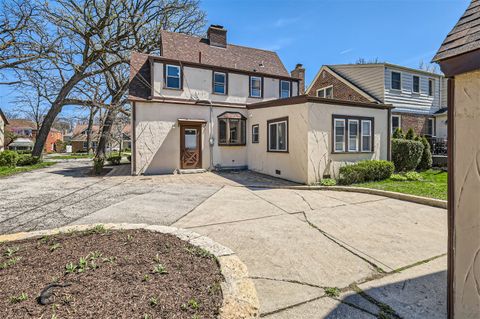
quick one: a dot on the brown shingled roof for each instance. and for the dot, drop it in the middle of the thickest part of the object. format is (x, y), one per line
(193, 49)
(465, 36)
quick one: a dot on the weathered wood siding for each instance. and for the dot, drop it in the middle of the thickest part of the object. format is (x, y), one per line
(368, 77)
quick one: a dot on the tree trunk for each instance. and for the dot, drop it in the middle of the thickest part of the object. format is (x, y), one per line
(52, 114)
(105, 133)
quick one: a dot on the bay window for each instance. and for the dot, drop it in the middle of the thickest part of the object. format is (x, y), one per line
(231, 129)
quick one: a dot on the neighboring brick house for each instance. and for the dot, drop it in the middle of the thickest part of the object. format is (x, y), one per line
(25, 131)
(3, 123)
(120, 138)
(419, 97)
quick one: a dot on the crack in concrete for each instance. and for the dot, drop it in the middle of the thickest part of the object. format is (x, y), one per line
(344, 246)
(191, 210)
(289, 281)
(232, 222)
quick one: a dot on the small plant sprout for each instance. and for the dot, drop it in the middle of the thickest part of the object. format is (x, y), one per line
(45, 239)
(129, 237)
(156, 258)
(109, 260)
(11, 251)
(333, 292)
(16, 299)
(10, 262)
(145, 278)
(160, 269)
(94, 255)
(70, 268)
(82, 264)
(193, 304)
(55, 247)
(153, 302)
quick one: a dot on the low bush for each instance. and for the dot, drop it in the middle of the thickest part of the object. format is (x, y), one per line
(27, 160)
(24, 152)
(114, 159)
(366, 171)
(410, 134)
(8, 158)
(398, 133)
(413, 176)
(406, 154)
(398, 177)
(426, 160)
(328, 182)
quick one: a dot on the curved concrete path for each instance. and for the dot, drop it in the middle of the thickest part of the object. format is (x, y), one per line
(385, 256)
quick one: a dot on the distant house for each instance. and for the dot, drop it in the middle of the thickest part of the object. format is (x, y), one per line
(119, 139)
(24, 134)
(419, 97)
(207, 104)
(3, 123)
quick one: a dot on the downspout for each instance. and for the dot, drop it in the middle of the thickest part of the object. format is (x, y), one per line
(211, 139)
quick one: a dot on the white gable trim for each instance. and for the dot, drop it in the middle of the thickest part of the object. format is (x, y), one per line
(350, 85)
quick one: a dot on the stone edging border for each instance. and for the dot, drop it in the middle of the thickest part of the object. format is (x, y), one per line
(401, 196)
(239, 295)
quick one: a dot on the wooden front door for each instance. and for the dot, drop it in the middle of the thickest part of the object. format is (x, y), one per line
(190, 146)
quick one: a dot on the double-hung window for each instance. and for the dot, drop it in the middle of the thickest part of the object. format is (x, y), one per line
(395, 123)
(352, 134)
(285, 88)
(430, 127)
(255, 133)
(396, 81)
(219, 83)
(431, 85)
(231, 129)
(366, 135)
(173, 77)
(326, 92)
(278, 135)
(255, 86)
(416, 84)
(339, 134)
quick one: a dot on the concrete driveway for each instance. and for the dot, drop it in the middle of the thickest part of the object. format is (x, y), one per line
(385, 256)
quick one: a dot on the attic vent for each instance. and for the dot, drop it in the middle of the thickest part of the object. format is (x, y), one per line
(261, 64)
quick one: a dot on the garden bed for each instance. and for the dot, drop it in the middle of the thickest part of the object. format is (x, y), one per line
(108, 274)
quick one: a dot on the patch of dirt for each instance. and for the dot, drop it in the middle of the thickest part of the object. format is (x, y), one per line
(108, 274)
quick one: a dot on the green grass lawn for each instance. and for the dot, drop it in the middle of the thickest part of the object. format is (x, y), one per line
(433, 184)
(7, 171)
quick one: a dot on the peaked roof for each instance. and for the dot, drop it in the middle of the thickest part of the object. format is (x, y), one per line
(464, 37)
(2, 115)
(22, 123)
(347, 82)
(194, 49)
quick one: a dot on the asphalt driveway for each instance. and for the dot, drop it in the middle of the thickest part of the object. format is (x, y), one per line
(385, 256)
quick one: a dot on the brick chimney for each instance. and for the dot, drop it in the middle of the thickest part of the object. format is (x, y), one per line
(299, 73)
(217, 36)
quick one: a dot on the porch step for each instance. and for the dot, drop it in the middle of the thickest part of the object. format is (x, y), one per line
(191, 171)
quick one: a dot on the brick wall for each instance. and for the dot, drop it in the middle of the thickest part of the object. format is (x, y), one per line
(417, 122)
(341, 91)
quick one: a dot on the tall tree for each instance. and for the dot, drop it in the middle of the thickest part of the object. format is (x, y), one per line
(94, 30)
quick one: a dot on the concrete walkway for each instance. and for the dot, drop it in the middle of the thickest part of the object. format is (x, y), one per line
(385, 256)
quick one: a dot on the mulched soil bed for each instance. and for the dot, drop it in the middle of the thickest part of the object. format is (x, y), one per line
(102, 273)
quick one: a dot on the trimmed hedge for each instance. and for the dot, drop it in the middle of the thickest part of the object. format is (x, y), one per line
(366, 171)
(426, 160)
(8, 158)
(406, 154)
(27, 159)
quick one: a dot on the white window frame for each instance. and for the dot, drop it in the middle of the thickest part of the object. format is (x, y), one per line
(277, 149)
(335, 120)
(433, 126)
(357, 143)
(370, 136)
(391, 80)
(432, 92)
(251, 86)
(324, 90)
(170, 76)
(257, 128)
(413, 84)
(220, 83)
(399, 122)
(282, 90)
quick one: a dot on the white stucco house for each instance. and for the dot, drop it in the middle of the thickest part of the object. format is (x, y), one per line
(3, 123)
(207, 104)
